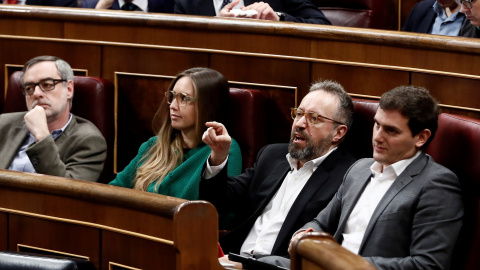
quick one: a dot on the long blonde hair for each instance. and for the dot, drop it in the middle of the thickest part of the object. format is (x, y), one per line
(211, 91)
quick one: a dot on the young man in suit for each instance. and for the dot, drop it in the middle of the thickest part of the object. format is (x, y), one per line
(48, 139)
(303, 11)
(399, 210)
(438, 17)
(289, 183)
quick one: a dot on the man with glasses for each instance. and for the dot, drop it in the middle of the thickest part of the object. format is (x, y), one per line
(289, 182)
(48, 139)
(437, 17)
(471, 27)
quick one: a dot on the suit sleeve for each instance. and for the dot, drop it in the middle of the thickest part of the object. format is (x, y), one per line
(304, 11)
(178, 8)
(437, 219)
(410, 22)
(83, 160)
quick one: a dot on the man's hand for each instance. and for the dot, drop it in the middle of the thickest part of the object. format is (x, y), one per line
(265, 12)
(36, 121)
(216, 136)
(226, 262)
(295, 237)
(225, 11)
(104, 4)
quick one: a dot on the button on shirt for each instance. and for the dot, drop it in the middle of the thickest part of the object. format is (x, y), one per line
(218, 4)
(262, 236)
(22, 162)
(361, 214)
(447, 26)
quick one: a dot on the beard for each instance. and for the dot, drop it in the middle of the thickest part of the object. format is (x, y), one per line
(313, 149)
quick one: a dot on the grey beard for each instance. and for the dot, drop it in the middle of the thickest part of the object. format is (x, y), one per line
(311, 151)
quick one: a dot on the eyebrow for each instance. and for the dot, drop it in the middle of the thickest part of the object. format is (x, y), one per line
(48, 78)
(386, 126)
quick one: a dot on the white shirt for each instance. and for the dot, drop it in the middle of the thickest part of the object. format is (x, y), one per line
(143, 4)
(263, 234)
(361, 214)
(218, 4)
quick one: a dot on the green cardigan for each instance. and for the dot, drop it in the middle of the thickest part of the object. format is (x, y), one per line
(183, 182)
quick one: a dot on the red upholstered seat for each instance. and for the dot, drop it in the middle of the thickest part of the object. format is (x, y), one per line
(359, 13)
(93, 100)
(247, 122)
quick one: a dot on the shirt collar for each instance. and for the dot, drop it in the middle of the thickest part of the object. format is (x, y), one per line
(397, 168)
(314, 163)
(441, 12)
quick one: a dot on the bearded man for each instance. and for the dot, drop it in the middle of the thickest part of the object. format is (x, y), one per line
(289, 183)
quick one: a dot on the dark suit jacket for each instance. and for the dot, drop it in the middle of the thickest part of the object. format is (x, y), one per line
(469, 30)
(302, 11)
(160, 6)
(421, 18)
(250, 192)
(414, 226)
(53, 3)
(79, 152)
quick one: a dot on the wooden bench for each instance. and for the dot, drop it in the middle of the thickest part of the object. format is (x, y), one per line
(114, 228)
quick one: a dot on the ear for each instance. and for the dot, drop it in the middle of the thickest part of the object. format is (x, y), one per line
(69, 89)
(339, 133)
(422, 137)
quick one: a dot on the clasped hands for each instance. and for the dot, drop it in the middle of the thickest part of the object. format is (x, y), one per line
(265, 12)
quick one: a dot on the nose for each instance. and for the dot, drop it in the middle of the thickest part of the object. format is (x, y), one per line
(37, 91)
(302, 122)
(174, 104)
(377, 135)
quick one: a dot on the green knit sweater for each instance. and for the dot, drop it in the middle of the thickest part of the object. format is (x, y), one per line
(183, 182)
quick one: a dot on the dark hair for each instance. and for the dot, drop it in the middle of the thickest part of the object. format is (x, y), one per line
(344, 112)
(212, 93)
(417, 105)
(63, 69)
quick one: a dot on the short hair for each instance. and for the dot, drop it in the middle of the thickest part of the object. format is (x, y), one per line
(344, 112)
(63, 68)
(417, 105)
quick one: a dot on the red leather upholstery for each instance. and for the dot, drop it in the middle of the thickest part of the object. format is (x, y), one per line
(93, 100)
(358, 13)
(247, 122)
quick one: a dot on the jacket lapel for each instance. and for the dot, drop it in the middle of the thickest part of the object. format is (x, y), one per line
(16, 137)
(401, 182)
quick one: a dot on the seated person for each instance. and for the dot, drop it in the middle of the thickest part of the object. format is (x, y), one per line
(400, 209)
(171, 162)
(471, 26)
(48, 139)
(289, 182)
(161, 6)
(438, 17)
(53, 3)
(303, 11)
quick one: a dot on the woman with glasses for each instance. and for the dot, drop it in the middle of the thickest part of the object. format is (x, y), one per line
(471, 26)
(171, 162)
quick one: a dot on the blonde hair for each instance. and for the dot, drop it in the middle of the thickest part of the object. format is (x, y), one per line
(211, 91)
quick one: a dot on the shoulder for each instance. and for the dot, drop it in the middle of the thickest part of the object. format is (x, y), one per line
(82, 126)
(11, 119)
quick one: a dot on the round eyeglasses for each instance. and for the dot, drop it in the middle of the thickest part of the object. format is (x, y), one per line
(182, 98)
(45, 85)
(312, 118)
(465, 3)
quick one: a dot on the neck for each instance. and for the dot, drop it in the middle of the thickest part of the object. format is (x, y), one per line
(189, 140)
(449, 10)
(58, 123)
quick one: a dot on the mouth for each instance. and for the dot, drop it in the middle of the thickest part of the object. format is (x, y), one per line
(174, 116)
(378, 148)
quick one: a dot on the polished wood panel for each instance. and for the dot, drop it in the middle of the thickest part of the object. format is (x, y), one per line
(3, 231)
(106, 223)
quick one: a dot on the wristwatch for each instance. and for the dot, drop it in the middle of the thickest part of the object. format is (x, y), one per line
(281, 15)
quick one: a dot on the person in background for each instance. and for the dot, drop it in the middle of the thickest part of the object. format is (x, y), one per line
(438, 17)
(159, 6)
(171, 162)
(471, 26)
(303, 11)
(48, 139)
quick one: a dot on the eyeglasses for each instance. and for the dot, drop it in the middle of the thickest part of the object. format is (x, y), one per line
(45, 85)
(465, 3)
(312, 118)
(182, 98)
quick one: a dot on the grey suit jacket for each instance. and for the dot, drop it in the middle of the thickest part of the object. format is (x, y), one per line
(416, 223)
(79, 152)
